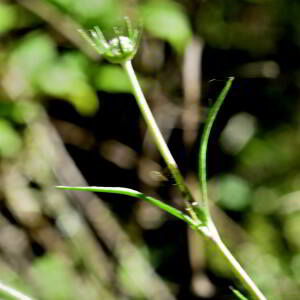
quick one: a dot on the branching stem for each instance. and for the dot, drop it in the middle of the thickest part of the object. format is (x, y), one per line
(212, 233)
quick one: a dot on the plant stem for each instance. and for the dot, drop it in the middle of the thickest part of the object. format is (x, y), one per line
(237, 269)
(13, 293)
(211, 232)
(158, 138)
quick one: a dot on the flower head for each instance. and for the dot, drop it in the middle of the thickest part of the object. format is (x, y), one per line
(119, 49)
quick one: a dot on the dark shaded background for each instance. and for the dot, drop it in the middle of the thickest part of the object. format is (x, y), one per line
(68, 117)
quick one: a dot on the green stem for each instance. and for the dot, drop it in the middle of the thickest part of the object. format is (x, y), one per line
(158, 138)
(237, 269)
(212, 233)
(13, 293)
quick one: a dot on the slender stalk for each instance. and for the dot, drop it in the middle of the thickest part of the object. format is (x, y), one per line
(158, 138)
(237, 269)
(13, 293)
(147, 114)
(212, 233)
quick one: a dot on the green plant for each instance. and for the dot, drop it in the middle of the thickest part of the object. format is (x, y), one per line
(121, 50)
(12, 293)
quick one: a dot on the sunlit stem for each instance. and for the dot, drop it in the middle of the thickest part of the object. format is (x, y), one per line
(212, 233)
(158, 138)
(12, 293)
(237, 269)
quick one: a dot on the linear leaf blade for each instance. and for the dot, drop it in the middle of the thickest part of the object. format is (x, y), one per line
(204, 141)
(133, 193)
(238, 294)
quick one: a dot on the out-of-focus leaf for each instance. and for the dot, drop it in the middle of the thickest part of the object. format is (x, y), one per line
(62, 3)
(166, 20)
(54, 277)
(113, 79)
(295, 266)
(93, 9)
(84, 99)
(131, 287)
(238, 132)
(223, 26)
(19, 111)
(8, 17)
(272, 154)
(66, 79)
(6, 109)
(12, 279)
(291, 229)
(34, 52)
(103, 11)
(234, 192)
(10, 141)
(25, 111)
(265, 233)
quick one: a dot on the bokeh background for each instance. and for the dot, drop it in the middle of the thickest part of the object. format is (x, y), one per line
(68, 117)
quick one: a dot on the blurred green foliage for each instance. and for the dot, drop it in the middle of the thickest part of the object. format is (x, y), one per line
(8, 17)
(235, 193)
(112, 79)
(167, 20)
(45, 79)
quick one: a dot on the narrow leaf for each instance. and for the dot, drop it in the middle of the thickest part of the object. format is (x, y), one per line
(133, 193)
(238, 294)
(204, 141)
(100, 49)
